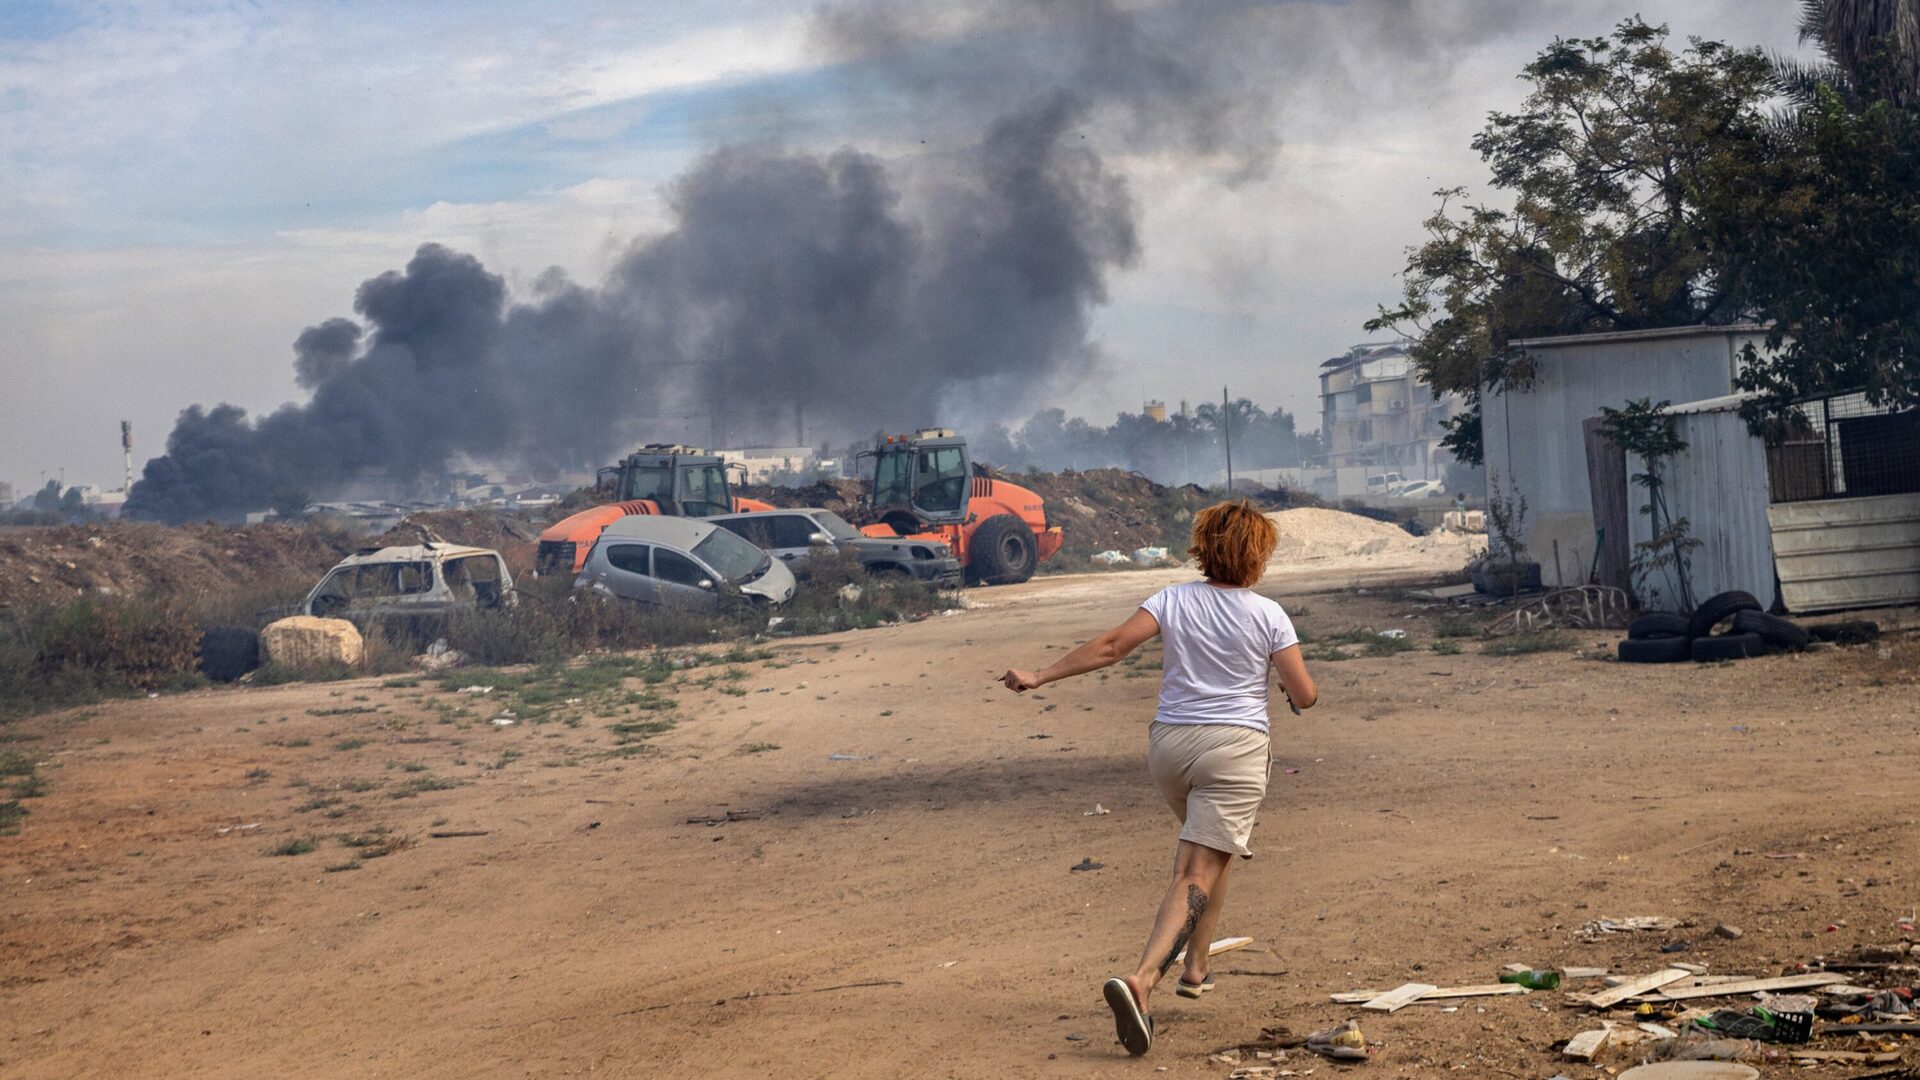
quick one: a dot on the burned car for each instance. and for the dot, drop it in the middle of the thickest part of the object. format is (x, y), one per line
(791, 535)
(416, 582)
(682, 563)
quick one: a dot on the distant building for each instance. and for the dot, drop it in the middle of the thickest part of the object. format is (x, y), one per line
(766, 462)
(1155, 411)
(1376, 413)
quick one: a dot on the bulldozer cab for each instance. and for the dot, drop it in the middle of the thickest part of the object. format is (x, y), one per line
(926, 475)
(682, 481)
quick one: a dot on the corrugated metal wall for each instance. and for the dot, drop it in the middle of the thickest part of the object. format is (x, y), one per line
(1534, 444)
(1719, 484)
(1847, 553)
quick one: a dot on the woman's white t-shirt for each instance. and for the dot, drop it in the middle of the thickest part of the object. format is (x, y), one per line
(1217, 644)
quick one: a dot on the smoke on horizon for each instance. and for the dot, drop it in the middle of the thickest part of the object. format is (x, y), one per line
(840, 290)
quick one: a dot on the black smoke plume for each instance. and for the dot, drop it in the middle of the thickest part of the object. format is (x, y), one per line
(840, 291)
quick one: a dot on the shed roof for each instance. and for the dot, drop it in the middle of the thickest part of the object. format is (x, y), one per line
(1640, 335)
(1723, 403)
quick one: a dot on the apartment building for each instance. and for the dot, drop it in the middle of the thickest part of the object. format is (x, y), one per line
(1375, 412)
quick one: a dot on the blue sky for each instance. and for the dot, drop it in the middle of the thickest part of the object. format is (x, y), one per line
(186, 184)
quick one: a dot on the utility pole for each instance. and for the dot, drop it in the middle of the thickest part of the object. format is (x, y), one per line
(1226, 430)
(126, 450)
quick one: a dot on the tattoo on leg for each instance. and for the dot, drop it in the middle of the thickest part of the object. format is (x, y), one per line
(1196, 907)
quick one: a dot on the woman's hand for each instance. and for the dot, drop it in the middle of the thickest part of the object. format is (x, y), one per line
(1020, 681)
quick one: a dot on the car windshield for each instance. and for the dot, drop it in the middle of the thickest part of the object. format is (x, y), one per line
(835, 526)
(731, 557)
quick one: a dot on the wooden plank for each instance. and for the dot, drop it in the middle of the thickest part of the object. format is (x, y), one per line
(1860, 1057)
(1747, 986)
(1583, 973)
(1587, 1043)
(1225, 944)
(1607, 490)
(1634, 987)
(1399, 997)
(1443, 993)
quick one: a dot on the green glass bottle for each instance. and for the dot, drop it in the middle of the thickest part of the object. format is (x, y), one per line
(1533, 980)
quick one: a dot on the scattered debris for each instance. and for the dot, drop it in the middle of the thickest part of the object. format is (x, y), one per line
(1223, 945)
(1097, 811)
(1399, 997)
(722, 819)
(1637, 924)
(1086, 864)
(448, 834)
(1588, 1043)
(503, 720)
(849, 757)
(474, 690)
(248, 827)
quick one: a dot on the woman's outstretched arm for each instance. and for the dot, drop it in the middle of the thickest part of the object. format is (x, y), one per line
(1294, 679)
(1103, 651)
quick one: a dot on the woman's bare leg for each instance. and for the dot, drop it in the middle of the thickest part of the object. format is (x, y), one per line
(1198, 965)
(1197, 872)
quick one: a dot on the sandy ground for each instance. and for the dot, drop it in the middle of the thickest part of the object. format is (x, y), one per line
(902, 904)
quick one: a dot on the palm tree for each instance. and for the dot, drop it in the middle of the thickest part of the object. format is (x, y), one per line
(1870, 49)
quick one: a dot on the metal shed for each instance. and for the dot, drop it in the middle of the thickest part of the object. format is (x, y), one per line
(1719, 485)
(1536, 447)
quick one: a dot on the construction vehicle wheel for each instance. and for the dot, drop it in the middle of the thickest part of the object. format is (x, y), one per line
(1003, 551)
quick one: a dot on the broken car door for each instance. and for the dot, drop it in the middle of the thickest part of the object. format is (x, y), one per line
(681, 582)
(623, 570)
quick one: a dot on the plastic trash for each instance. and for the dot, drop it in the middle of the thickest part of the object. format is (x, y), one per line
(1108, 558)
(1149, 556)
(1533, 980)
(1396, 633)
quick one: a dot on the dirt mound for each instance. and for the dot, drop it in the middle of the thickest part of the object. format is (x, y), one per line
(48, 566)
(52, 566)
(839, 496)
(1312, 533)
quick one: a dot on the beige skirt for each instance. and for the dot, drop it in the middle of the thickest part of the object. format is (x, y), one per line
(1213, 776)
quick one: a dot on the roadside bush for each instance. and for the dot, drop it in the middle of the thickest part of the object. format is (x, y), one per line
(92, 648)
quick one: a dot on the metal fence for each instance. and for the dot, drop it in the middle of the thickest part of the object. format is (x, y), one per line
(1841, 447)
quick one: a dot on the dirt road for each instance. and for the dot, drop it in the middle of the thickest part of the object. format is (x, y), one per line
(895, 897)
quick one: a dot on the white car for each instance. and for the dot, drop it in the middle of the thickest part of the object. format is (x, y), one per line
(421, 580)
(1423, 489)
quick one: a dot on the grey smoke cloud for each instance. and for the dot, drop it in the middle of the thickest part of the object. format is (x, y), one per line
(851, 291)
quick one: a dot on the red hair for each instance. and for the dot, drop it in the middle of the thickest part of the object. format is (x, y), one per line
(1233, 541)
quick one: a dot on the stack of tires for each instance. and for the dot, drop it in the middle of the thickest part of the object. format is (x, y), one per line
(1730, 626)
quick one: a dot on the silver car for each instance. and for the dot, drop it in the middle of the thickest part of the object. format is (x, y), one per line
(682, 563)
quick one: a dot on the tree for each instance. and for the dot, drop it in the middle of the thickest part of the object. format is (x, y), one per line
(1605, 162)
(1870, 49)
(1826, 220)
(47, 499)
(1647, 431)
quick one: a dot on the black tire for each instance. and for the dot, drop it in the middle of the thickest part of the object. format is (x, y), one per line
(1657, 625)
(1003, 551)
(1775, 631)
(1846, 632)
(1719, 609)
(228, 652)
(1660, 650)
(1727, 647)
